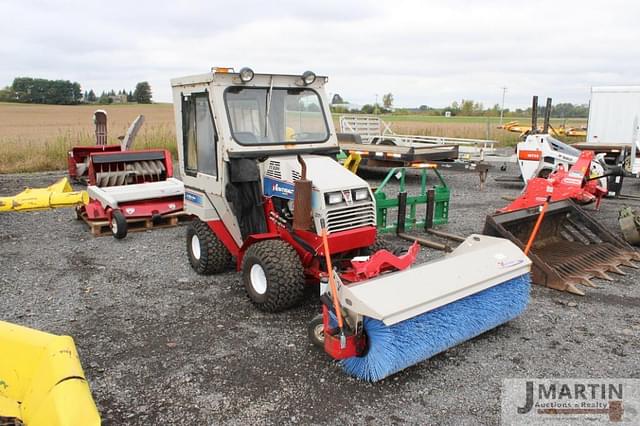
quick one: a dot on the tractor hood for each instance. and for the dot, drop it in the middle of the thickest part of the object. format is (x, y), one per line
(326, 174)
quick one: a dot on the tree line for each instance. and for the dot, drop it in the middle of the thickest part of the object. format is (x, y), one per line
(465, 107)
(64, 92)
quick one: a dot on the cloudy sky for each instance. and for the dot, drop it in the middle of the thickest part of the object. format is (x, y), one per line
(424, 52)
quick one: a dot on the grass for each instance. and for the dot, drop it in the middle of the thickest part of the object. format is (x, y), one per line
(38, 137)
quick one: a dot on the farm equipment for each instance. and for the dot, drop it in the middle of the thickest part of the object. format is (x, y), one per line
(131, 187)
(540, 154)
(78, 157)
(375, 131)
(60, 194)
(571, 247)
(629, 221)
(41, 380)
(524, 131)
(264, 187)
(561, 185)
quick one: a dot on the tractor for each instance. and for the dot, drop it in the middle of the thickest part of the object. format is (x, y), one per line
(257, 155)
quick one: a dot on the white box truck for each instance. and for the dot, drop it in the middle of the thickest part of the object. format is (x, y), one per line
(614, 117)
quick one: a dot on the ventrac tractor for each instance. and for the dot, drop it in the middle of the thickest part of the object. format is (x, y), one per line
(257, 155)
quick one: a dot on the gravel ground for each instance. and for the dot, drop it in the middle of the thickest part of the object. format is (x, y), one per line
(163, 345)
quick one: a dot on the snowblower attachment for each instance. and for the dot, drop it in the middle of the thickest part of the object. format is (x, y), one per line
(409, 316)
(571, 247)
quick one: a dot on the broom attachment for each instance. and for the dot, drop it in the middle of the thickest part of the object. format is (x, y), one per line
(409, 316)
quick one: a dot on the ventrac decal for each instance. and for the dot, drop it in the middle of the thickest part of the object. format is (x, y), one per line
(193, 198)
(278, 188)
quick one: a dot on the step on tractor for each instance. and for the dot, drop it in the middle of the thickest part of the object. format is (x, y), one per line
(257, 155)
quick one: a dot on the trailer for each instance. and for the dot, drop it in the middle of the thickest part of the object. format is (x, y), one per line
(614, 119)
(375, 131)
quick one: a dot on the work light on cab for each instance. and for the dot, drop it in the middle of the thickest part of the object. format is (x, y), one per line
(246, 74)
(308, 77)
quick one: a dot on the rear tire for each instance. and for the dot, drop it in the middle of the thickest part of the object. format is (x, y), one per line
(118, 225)
(207, 254)
(273, 275)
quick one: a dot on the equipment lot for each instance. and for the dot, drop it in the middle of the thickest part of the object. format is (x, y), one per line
(163, 345)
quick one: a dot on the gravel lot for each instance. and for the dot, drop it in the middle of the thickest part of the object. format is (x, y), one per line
(163, 345)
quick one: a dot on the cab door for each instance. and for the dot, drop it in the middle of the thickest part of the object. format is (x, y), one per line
(200, 143)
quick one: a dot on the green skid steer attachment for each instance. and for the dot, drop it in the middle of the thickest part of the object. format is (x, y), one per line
(383, 203)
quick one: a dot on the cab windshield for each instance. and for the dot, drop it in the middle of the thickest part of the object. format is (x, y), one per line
(261, 116)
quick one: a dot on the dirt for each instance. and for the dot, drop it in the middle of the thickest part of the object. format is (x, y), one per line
(163, 345)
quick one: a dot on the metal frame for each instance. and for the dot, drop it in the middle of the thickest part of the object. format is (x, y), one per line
(383, 204)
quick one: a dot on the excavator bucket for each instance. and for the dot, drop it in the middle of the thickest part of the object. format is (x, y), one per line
(41, 380)
(570, 249)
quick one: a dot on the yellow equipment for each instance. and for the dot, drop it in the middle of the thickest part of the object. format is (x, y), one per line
(41, 380)
(514, 126)
(352, 162)
(60, 194)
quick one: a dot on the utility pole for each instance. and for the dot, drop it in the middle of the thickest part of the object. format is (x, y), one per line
(504, 90)
(376, 110)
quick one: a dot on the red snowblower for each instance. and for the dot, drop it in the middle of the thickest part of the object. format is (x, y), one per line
(131, 187)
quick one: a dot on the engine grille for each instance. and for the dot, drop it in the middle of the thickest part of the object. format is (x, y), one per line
(350, 217)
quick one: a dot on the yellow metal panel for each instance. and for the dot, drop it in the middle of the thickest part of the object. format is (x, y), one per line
(40, 373)
(60, 194)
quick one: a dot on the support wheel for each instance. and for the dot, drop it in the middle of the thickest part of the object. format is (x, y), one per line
(207, 254)
(273, 275)
(118, 225)
(315, 331)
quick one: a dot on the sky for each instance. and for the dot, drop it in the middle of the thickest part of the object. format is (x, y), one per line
(424, 52)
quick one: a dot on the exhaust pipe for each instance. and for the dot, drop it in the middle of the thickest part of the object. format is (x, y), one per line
(302, 200)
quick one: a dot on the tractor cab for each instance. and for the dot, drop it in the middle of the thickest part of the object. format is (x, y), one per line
(247, 141)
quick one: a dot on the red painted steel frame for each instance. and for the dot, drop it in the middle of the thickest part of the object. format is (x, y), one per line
(78, 154)
(307, 244)
(136, 209)
(168, 163)
(561, 185)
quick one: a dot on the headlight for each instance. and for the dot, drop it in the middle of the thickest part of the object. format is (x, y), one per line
(246, 74)
(360, 194)
(333, 197)
(308, 77)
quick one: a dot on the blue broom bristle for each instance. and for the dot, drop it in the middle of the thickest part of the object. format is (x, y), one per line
(394, 348)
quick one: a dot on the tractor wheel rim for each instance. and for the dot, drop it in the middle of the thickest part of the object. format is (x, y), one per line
(258, 279)
(195, 247)
(114, 226)
(318, 332)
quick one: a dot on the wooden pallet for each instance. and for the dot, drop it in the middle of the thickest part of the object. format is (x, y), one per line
(100, 228)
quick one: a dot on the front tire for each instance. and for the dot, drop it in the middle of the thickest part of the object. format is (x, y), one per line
(273, 275)
(207, 254)
(118, 225)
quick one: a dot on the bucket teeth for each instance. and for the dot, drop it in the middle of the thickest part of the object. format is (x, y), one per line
(629, 264)
(588, 283)
(571, 288)
(614, 268)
